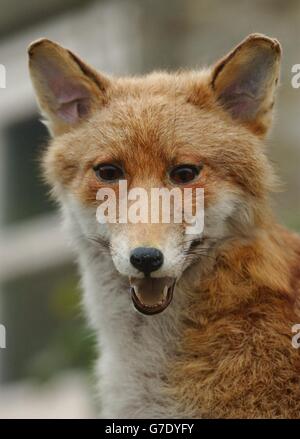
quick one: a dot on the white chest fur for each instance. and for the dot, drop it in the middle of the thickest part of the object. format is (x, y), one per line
(134, 349)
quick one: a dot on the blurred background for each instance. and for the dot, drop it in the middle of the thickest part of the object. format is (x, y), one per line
(46, 369)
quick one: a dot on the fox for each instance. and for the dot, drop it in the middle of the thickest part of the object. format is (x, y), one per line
(187, 325)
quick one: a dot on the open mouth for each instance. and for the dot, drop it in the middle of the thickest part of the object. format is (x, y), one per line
(152, 295)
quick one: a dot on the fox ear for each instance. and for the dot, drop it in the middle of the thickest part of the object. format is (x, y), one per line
(67, 89)
(245, 81)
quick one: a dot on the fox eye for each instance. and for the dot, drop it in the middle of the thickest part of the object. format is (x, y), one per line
(182, 174)
(108, 172)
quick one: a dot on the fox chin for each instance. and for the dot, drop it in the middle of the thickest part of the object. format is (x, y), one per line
(188, 325)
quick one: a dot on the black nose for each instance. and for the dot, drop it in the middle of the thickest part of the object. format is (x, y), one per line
(146, 259)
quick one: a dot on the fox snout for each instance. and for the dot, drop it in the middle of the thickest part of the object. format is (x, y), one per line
(151, 261)
(150, 295)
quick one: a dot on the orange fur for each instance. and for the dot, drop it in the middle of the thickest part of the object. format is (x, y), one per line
(236, 352)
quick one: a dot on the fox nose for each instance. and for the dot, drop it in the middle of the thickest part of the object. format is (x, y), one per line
(146, 259)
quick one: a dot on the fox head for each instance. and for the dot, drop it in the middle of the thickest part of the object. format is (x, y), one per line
(197, 129)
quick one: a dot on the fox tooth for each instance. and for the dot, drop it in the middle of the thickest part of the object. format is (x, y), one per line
(165, 292)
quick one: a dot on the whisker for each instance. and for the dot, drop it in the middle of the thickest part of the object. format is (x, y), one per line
(99, 240)
(207, 238)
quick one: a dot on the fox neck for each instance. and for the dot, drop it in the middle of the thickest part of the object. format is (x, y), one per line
(136, 350)
(251, 263)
